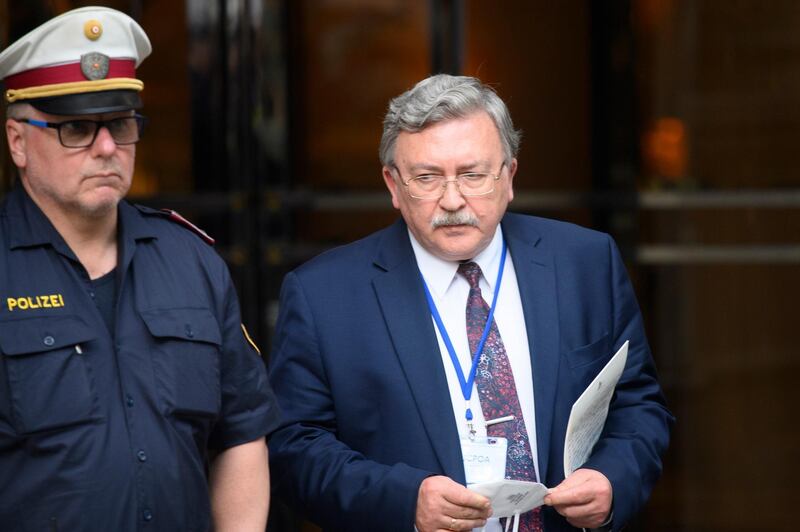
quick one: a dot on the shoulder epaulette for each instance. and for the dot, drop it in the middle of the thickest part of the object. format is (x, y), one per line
(175, 217)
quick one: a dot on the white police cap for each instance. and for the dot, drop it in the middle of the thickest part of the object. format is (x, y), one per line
(81, 62)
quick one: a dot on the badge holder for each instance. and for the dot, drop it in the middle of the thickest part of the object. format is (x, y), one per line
(484, 459)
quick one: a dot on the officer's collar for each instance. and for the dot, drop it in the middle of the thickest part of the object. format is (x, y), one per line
(133, 224)
(29, 227)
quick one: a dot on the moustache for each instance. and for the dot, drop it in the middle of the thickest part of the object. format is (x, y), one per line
(454, 218)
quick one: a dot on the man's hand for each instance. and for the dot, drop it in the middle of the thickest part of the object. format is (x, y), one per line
(584, 498)
(443, 504)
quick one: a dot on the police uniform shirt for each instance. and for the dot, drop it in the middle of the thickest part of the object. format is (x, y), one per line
(103, 431)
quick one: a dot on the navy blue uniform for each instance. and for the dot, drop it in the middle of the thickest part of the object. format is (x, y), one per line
(102, 431)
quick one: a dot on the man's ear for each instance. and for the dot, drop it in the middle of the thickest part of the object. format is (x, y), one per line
(391, 184)
(16, 142)
(512, 170)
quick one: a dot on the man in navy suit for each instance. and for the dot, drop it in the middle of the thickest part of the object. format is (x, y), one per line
(375, 342)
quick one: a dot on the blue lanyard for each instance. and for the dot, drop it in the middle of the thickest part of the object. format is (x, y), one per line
(466, 384)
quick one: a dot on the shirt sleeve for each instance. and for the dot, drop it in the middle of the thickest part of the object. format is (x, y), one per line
(249, 410)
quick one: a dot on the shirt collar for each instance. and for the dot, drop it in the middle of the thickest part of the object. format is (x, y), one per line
(134, 222)
(439, 273)
(29, 226)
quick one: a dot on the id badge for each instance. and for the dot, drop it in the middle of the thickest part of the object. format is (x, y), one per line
(484, 459)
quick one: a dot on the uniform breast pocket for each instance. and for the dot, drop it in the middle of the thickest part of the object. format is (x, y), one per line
(50, 381)
(186, 359)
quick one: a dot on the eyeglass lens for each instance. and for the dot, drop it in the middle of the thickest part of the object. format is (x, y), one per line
(468, 184)
(82, 133)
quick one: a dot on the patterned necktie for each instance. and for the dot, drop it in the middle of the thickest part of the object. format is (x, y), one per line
(498, 392)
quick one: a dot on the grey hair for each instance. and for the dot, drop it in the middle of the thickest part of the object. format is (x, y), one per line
(445, 97)
(16, 110)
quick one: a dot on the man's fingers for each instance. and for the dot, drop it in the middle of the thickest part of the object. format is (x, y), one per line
(464, 524)
(584, 498)
(589, 515)
(443, 504)
(575, 495)
(465, 512)
(466, 498)
(574, 511)
(581, 476)
(581, 487)
(584, 516)
(454, 523)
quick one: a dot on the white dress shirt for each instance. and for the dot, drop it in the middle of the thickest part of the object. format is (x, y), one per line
(450, 291)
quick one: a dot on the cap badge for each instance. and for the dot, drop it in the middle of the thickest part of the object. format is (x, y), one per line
(93, 29)
(94, 65)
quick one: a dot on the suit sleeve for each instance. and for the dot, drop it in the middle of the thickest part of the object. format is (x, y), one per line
(335, 486)
(637, 429)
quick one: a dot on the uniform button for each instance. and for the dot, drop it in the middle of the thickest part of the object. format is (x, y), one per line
(142, 456)
(91, 294)
(189, 331)
(129, 400)
(48, 340)
(147, 514)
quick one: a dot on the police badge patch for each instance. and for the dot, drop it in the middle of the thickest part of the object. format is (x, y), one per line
(94, 65)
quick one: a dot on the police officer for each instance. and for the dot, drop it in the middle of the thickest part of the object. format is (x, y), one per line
(131, 397)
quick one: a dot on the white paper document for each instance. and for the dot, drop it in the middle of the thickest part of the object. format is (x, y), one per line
(588, 414)
(586, 420)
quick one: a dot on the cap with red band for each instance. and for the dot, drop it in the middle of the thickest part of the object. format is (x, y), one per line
(81, 62)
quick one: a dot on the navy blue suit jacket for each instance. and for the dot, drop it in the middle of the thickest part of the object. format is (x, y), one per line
(358, 374)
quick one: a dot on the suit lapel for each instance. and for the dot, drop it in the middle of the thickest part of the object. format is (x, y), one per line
(536, 278)
(402, 301)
